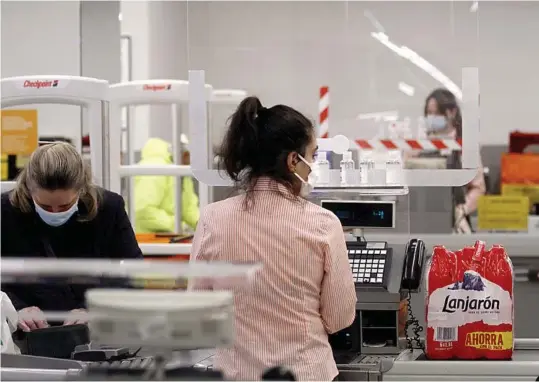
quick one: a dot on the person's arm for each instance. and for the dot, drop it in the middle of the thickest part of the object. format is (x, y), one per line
(149, 194)
(123, 242)
(190, 210)
(338, 296)
(475, 190)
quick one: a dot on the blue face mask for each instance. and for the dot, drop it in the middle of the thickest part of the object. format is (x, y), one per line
(56, 219)
(436, 122)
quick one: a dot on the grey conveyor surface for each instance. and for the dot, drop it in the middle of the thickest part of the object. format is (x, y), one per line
(410, 367)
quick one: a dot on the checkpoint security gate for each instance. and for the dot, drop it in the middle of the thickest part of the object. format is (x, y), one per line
(89, 93)
(153, 92)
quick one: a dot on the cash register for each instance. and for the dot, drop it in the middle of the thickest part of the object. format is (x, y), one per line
(382, 277)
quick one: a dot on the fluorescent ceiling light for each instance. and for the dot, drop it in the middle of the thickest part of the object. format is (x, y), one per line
(374, 21)
(420, 62)
(409, 90)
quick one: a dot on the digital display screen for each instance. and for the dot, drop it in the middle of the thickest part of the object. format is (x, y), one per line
(362, 214)
(376, 245)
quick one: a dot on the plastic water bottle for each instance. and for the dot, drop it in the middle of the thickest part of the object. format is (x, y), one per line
(393, 167)
(366, 165)
(323, 168)
(348, 170)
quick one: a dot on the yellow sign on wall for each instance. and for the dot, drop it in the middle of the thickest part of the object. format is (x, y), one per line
(18, 132)
(503, 213)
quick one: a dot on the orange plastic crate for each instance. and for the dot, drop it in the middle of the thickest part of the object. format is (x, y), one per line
(520, 168)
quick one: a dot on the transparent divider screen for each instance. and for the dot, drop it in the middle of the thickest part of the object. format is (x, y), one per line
(353, 68)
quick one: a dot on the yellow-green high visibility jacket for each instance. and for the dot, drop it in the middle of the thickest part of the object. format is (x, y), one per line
(154, 195)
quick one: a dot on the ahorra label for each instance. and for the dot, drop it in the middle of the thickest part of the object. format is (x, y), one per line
(490, 340)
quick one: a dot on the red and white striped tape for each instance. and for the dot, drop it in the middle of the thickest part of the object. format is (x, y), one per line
(323, 111)
(409, 144)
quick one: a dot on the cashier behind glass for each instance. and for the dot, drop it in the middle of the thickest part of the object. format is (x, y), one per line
(444, 120)
(56, 211)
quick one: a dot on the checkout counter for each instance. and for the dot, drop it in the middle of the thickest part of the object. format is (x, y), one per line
(373, 348)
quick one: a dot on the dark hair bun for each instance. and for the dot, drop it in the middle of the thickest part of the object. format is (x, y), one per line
(258, 141)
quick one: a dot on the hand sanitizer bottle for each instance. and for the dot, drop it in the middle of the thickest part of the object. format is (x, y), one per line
(323, 168)
(366, 165)
(347, 170)
(394, 167)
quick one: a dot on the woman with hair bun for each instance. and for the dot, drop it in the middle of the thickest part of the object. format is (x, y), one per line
(305, 288)
(56, 211)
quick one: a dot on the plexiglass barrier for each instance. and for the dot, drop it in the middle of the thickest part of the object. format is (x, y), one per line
(380, 172)
(356, 71)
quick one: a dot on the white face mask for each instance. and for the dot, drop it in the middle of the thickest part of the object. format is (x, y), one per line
(436, 123)
(307, 186)
(56, 219)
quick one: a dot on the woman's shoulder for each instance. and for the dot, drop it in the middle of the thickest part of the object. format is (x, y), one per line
(232, 207)
(110, 201)
(7, 207)
(13, 218)
(321, 214)
(6, 203)
(109, 206)
(5, 198)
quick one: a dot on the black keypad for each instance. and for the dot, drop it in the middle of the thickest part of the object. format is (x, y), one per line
(368, 265)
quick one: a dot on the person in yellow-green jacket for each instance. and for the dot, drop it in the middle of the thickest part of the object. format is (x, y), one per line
(154, 195)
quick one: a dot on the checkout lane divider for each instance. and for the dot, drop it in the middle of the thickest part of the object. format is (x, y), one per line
(162, 249)
(155, 248)
(516, 245)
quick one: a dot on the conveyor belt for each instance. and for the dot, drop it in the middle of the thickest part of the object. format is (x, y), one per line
(30, 368)
(412, 366)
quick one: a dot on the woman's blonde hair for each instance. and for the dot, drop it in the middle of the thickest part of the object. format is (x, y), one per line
(56, 166)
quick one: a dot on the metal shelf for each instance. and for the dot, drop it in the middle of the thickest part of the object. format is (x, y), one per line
(373, 190)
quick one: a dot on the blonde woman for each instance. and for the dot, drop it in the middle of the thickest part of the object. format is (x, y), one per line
(56, 211)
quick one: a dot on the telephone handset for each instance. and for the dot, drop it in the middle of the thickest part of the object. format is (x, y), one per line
(412, 269)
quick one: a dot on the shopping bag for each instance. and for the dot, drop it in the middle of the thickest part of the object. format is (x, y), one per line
(9, 325)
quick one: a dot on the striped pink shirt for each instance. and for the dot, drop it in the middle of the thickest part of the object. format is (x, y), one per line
(304, 291)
